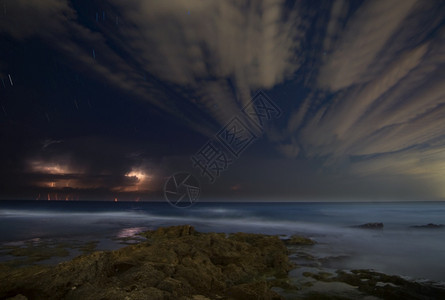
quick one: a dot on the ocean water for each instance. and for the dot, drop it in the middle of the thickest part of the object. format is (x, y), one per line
(397, 249)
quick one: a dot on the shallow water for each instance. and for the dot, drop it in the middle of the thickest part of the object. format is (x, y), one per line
(397, 249)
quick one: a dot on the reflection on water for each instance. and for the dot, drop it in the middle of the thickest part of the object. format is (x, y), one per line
(396, 249)
(130, 232)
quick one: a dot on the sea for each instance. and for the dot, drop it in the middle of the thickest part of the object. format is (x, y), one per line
(400, 248)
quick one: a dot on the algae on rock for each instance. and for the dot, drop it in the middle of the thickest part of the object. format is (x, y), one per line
(173, 263)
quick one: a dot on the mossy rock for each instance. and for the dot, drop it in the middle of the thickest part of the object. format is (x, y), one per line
(252, 291)
(173, 263)
(299, 240)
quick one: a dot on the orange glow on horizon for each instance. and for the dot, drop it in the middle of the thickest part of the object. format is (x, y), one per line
(142, 181)
(140, 176)
(136, 180)
(40, 166)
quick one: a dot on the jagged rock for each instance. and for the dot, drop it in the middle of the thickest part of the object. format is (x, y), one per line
(381, 285)
(199, 297)
(370, 226)
(18, 297)
(170, 232)
(299, 240)
(429, 226)
(172, 263)
(252, 291)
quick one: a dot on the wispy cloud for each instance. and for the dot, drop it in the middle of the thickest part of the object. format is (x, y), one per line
(365, 36)
(186, 58)
(385, 78)
(375, 70)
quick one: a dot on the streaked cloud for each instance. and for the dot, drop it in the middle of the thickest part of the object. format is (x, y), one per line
(384, 79)
(365, 36)
(206, 63)
(374, 103)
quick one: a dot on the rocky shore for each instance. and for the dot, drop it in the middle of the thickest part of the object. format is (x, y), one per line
(173, 263)
(179, 263)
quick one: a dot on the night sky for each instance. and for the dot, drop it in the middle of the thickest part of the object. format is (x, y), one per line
(107, 99)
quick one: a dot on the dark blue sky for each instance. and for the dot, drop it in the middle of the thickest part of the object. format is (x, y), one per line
(105, 99)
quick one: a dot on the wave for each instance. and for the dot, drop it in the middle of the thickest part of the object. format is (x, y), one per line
(399, 250)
